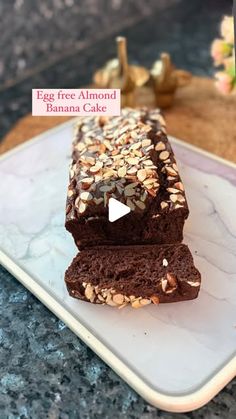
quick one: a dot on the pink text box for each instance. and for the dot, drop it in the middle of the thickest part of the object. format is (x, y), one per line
(75, 102)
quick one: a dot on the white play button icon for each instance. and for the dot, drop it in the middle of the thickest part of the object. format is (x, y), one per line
(116, 210)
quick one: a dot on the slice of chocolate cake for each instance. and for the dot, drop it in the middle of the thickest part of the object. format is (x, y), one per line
(128, 158)
(136, 275)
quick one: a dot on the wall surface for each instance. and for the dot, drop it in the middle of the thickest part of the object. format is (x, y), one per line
(37, 33)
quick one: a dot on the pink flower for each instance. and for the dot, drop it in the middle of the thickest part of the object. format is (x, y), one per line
(227, 29)
(220, 50)
(224, 82)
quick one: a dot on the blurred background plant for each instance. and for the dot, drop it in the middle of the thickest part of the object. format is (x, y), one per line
(223, 54)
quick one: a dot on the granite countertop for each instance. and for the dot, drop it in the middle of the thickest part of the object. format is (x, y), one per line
(46, 371)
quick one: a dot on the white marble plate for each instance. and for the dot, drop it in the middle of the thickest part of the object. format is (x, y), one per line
(177, 356)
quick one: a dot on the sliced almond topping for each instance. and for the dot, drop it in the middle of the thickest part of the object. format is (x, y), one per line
(125, 152)
(118, 157)
(165, 262)
(179, 186)
(81, 207)
(160, 146)
(97, 179)
(109, 174)
(110, 302)
(152, 192)
(118, 299)
(164, 155)
(193, 283)
(146, 128)
(89, 292)
(141, 175)
(97, 167)
(102, 148)
(173, 190)
(96, 289)
(122, 171)
(134, 135)
(80, 146)
(70, 193)
(136, 304)
(136, 146)
(149, 181)
(115, 152)
(155, 299)
(171, 171)
(164, 284)
(86, 182)
(145, 301)
(173, 198)
(86, 196)
(132, 170)
(181, 198)
(103, 157)
(123, 130)
(146, 142)
(108, 145)
(132, 160)
(148, 185)
(148, 162)
(89, 160)
(77, 201)
(171, 279)
(138, 153)
(150, 147)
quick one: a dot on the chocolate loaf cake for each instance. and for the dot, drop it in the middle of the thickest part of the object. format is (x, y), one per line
(130, 159)
(136, 275)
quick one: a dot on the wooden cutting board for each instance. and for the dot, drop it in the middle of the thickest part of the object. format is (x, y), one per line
(200, 115)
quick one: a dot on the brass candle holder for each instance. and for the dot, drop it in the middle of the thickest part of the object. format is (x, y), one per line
(117, 73)
(162, 80)
(166, 79)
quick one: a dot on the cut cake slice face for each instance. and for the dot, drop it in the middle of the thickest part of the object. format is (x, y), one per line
(137, 275)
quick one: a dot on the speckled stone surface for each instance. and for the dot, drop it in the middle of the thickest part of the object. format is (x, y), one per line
(56, 28)
(45, 370)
